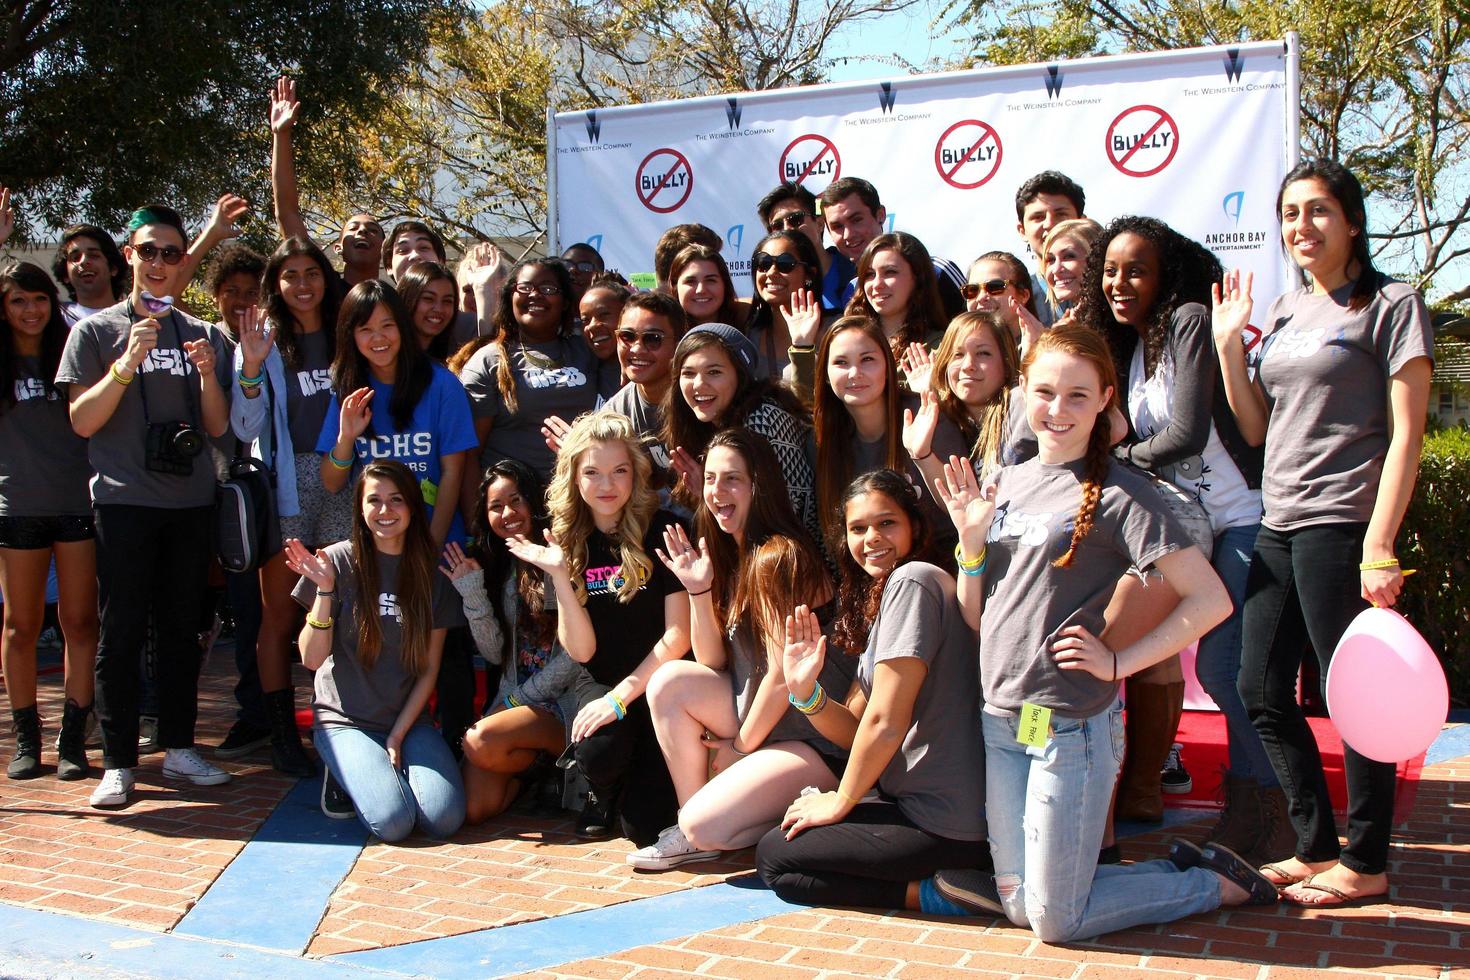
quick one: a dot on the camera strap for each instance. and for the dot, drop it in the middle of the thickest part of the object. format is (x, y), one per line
(191, 394)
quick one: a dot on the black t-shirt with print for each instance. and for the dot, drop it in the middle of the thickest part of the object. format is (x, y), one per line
(626, 632)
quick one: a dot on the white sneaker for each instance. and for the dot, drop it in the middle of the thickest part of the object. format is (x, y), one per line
(186, 764)
(114, 788)
(670, 850)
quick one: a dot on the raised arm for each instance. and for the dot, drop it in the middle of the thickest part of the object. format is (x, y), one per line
(971, 508)
(1229, 315)
(221, 227)
(695, 570)
(283, 160)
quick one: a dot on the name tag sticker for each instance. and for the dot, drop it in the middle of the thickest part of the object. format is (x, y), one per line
(430, 491)
(1033, 727)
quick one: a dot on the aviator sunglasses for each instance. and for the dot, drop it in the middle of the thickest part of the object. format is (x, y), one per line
(992, 287)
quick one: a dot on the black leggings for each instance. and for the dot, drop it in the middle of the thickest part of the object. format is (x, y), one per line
(867, 860)
(1305, 588)
(622, 762)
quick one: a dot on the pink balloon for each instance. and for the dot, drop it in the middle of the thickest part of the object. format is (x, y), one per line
(1386, 691)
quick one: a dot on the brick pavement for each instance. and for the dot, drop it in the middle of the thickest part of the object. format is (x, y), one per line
(145, 867)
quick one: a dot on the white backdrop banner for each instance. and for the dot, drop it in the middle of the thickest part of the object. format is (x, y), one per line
(1199, 138)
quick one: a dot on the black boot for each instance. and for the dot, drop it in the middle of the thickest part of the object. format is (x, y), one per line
(71, 744)
(287, 755)
(27, 761)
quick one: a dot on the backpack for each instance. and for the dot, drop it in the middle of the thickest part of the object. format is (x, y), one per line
(247, 533)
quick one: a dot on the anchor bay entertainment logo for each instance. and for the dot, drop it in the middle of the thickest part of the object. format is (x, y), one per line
(1233, 239)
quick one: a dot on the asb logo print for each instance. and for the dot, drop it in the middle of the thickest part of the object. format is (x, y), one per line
(968, 154)
(594, 128)
(811, 157)
(1053, 81)
(886, 97)
(1234, 64)
(732, 112)
(664, 180)
(1142, 141)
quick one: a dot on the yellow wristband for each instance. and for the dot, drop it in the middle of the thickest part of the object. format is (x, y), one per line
(847, 798)
(971, 564)
(117, 375)
(1370, 566)
(318, 624)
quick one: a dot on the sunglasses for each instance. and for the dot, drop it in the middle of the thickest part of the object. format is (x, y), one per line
(530, 288)
(651, 340)
(791, 221)
(992, 287)
(171, 254)
(784, 262)
(580, 266)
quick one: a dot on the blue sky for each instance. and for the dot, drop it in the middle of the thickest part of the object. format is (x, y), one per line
(866, 48)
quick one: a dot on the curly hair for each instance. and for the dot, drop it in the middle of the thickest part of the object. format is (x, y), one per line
(858, 594)
(571, 519)
(1088, 344)
(1187, 271)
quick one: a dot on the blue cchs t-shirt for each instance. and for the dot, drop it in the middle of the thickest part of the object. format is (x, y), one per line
(441, 426)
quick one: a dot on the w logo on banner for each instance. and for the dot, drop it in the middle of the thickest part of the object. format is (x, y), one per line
(886, 97)
(1233, 64)
(732, 112)
(594, 128)
(1053, 81)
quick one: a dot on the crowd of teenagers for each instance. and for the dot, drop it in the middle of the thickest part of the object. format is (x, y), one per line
(856, 569)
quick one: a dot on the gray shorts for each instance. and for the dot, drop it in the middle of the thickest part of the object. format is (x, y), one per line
(325, 517)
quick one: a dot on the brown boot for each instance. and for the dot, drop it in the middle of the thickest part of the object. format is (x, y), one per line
(1240, 824)
(1278, 836)
(1152, 720)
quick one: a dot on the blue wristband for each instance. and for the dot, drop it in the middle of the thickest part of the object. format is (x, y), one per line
(806, 705)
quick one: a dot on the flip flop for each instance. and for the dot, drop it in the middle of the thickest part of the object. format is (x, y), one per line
(1287, 878)
(1225, 862)
(1344, 900)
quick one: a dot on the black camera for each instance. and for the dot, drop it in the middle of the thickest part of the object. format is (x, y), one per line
(172, 446)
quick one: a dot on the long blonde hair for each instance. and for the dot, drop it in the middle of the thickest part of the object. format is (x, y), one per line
(987, 435)
(571, 519)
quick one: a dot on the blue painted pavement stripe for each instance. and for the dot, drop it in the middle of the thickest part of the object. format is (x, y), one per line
(51, 944)
(563, 939)
(274, 893)
(1452, 743)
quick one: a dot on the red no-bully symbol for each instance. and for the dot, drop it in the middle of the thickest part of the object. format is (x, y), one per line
(664, 181)
(810, 156)
(968, 154)
(1142, 141)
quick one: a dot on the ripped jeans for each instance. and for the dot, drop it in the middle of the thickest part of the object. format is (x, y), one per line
(1046, 813)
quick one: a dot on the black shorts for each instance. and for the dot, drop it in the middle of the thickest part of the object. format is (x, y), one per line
(31, 533)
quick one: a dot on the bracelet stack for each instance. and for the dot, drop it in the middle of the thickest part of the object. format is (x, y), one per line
(973, 566)
(816, 702)
(249, 384)
(117, 375)
(339, 464)
(619, 708)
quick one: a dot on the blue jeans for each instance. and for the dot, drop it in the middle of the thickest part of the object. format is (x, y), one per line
(1046, 809)
(426, 793)
(1217, 665)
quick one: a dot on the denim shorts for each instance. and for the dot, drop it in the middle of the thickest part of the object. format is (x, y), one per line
(33, 533)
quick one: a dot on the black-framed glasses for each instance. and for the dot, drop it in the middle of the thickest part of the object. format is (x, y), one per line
(651, 340)
(791, 221)
(992, 287)
(149, 252)
(531, 288)
(784, 262)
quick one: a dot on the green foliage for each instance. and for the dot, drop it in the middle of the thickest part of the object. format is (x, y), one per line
(109, 105)
(1436, 540)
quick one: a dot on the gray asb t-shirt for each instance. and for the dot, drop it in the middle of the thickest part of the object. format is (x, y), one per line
(647, 419)
(557, 378)
(937, 776)
(43, 463)
(1029, 600)
(116, 450)
(308, 390)
(1325, 370)
(346, 692)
